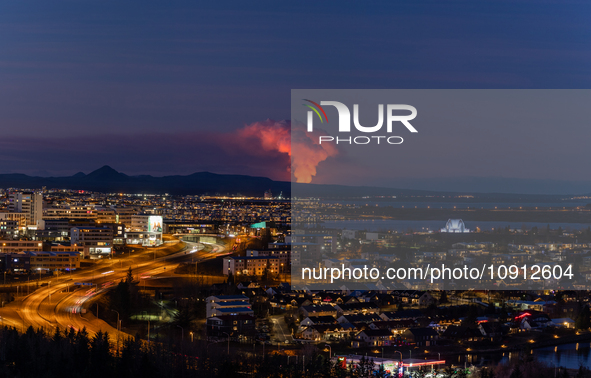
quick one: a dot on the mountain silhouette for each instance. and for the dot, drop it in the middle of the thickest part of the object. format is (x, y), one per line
(106, 179)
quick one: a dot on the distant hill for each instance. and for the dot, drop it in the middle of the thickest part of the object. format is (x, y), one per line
(107, 179)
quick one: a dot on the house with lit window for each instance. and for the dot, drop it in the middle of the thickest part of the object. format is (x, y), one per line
(231, 325)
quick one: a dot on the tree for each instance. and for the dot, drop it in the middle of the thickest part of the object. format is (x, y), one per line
(583, 320)
(381, 371)
(365, 367)
(267, 272)
(486, 373)
(121, 299)
(583, 372)
(516, 373)
(471, 316)
(183, 317)
(503, 314)
(443, 299)
(565, 374)
(129, 278)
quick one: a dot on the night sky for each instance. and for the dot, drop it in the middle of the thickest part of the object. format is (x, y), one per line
(155, 88)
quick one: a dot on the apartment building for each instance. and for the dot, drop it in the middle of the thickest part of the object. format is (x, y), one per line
(15, 246)
(220, 305)
(124, 214)
(19, 218)
(66, 247)
(145, 230)
(45, 260)
(18, 263)
(9, 229)
(106, 216)
(252, 266)
(284, 256)
(28, 203)
(70, 212)
(97, 241)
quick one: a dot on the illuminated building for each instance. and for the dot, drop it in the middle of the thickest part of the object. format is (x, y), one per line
(70, 212)
(253, 266)
(97, 241)
(219, 305)
(455, 226)
(28, 203)
(14, 246)
(53, 260)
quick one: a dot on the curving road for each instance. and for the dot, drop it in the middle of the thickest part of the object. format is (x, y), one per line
(57, 305)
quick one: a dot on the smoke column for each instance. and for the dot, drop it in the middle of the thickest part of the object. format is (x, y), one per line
(294, 141)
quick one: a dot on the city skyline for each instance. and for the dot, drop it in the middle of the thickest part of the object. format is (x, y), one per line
(75, 76)
(203, 189)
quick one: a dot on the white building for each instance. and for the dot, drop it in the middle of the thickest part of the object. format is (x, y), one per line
(349, 234)
(28, 203)
(145, 230)
(227, 305)
(139, 222)
(455, 226)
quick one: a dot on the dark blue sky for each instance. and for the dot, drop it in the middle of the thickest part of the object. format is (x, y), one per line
(77, 75)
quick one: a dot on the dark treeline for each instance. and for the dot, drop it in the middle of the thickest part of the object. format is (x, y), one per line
(75, 354)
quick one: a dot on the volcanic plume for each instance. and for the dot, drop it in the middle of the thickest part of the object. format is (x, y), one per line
(301, 146)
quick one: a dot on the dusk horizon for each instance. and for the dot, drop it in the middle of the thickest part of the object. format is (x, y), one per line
(264, 189)
(462, 184)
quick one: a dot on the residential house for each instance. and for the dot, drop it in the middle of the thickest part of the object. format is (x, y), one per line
(421, 336)
(318, 310)
(374, 337)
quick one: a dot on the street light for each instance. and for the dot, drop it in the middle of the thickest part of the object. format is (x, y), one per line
(182, 333)
(329, 351)
(227, 334)
(117, 319)
(191, 333)
(400, 353)
(118, 329)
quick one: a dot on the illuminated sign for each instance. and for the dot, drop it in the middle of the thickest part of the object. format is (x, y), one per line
(154, 223)
(259, 225)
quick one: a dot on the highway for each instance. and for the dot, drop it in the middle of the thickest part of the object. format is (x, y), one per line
(60, 302)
